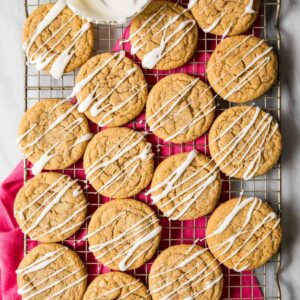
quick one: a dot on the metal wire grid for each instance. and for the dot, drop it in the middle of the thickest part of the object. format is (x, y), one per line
(39, 85)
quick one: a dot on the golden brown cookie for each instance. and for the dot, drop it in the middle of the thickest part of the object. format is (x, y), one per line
(164, 36)
(116, 94)
(186, 186)
(243, 233)
(242, 68)
(180, 108)
(225, 17)
(245, 142)
(116, 285)
(50, 207)
(118, 162)
(185, 272)
(51, 271)
(53, 134)
(124, 234)
(57, 40)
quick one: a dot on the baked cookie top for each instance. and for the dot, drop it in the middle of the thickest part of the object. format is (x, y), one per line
(186, 186)
(245, 142)
(225, 18)
(164, 36)
(185, 272)
(242, 68)
(116, 285)
(57, 40)
(180, 108)
(118, 162)
(53, 134)
(50, 207)
(50, 271)
(243, 233)
(124, 234)
(114, 90)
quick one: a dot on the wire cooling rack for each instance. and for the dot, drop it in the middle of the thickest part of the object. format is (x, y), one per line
(39, 85)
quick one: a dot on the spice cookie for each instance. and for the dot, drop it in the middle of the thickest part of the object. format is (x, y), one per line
(185, 272)
(124, 234)
(111, 89)
(118, 162)
(116, 285)
(225, 17)
(242, 68)
(186, 186)
(50, 207)
(53, 135)
(245, 142)
(51, 271)
(57, 40)
(180, 108)
(243, 233)
(164, 36)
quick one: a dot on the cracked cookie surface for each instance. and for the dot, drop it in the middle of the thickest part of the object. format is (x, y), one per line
(185, 272)
(242, 68)
(194, 194)
(180, 108)
(53, 134)
(118, 162)
(167, 22)
(245, 142)
(225, 17)
(50, 271)
(116, 94)
(58, 36)
(124, 234)
(243, 233)
(50, 207)
(116, 285)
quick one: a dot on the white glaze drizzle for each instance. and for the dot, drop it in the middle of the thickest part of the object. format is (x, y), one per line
(133, 231)
(50, 205)
(143, 155)
(60, 61)
(249, 8)
(214, 24)
(40, 263)
(49, 286)
(62, 224)
(46, 156)
(155, 55)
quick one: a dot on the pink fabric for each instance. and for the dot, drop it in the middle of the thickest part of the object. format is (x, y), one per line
(237, 285)
(11, 238)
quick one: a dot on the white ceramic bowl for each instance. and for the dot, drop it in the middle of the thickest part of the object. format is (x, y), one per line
(107, 11)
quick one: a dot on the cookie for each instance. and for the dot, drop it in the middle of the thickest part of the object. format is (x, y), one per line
(56, 40)
(180, 108)
(123, 234)
(242, 68)
(53, 135)
(116, 285)
(51, 271)
(118, 162)
(186, 186)
(245, 142)
(243, 233)
(111, 89)
(164, 36)
(225, 18)
(185, 272)
(50, 207)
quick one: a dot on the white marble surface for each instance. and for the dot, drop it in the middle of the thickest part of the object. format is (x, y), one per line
(11, 100)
